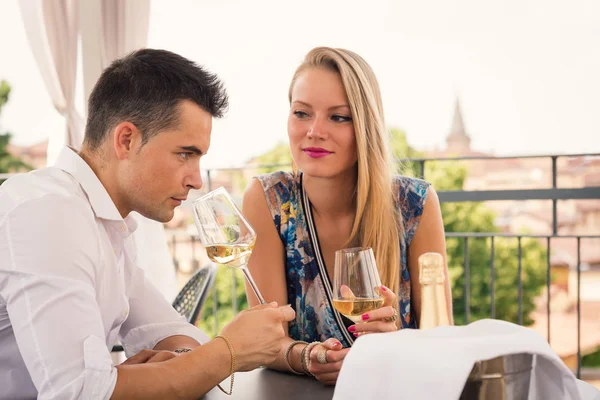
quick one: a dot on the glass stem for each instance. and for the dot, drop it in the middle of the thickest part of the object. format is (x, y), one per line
(261, 300)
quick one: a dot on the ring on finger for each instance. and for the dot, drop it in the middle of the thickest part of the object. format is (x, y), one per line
(322, 356)
(393, 318)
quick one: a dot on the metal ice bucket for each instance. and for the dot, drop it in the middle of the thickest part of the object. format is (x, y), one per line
(501, 378)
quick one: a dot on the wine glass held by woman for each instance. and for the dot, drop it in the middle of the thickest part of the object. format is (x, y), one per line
(381, 319)
(342, 193)
(357, 292)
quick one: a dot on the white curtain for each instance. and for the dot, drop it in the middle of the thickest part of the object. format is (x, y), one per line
(111, 29)
(52, 32)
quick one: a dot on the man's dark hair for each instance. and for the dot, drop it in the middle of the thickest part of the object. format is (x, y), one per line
(145, 89)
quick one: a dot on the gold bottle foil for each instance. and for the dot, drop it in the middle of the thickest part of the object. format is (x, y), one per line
(434, 309)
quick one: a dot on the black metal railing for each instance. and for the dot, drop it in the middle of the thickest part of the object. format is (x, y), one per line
(519, 237)
(553, 193)
(466, 238)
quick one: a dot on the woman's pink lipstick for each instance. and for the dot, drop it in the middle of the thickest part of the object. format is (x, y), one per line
(316, 152)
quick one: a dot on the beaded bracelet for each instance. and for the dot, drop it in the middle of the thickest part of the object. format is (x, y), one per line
(232, 365)
(306, 357)
(287, 356)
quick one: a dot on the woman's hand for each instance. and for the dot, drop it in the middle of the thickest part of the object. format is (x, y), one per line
(332, 352)
(383, 319)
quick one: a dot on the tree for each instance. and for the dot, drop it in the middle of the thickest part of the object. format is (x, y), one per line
(401, 151)
(276, 159)
(8, 162)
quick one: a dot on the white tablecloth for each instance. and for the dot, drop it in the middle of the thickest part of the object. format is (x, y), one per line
(435, 364)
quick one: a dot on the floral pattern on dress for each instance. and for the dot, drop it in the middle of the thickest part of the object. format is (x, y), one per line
(315, 318)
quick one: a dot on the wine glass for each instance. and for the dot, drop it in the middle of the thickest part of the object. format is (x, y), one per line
(356, 283)
(226, 235)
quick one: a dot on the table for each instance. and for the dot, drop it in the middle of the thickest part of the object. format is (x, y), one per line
(265, 384)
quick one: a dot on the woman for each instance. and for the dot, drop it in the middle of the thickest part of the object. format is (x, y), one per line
(342, 194)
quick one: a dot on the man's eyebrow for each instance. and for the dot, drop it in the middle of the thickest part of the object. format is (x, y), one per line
(193, 149)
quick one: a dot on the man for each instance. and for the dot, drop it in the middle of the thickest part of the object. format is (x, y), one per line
(69, 287)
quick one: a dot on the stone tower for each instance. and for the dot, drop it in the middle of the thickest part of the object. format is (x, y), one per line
(457, 140)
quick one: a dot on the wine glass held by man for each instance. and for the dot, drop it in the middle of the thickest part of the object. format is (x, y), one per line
(225, 233)
(341, 194)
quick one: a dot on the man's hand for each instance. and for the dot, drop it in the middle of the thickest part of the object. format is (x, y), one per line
(150, 356)
(256, 334)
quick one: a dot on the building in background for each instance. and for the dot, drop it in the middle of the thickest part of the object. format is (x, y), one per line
(33, 155)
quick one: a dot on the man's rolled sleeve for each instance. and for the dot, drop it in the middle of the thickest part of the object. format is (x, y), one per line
(151, 318)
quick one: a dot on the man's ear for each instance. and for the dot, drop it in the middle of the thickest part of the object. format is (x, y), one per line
(126, 139)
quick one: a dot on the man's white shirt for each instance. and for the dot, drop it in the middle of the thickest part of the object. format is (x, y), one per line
(70, 287)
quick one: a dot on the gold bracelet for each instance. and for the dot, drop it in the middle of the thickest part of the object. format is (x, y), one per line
(306, 357)
(232, 364)
(182, 350)
(287, 356)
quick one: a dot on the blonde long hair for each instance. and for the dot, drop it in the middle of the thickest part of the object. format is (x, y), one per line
(378, 224)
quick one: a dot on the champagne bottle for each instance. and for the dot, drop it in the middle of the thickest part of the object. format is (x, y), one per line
(434, 310)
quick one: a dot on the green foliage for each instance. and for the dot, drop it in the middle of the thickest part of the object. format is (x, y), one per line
(591, 360)
(224, 284)
(277, 159)
(8, 163)
(239, 182)
(4, 93)
(401, 150)
(505, 278)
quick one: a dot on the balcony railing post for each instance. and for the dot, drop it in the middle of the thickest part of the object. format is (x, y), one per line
(174, 244)
(467, 282)
(554, 201)
(520, 281)
(548, 282)
(195, 262)
(234, 303)
(578, 308)
(215, 307)
(492, 278)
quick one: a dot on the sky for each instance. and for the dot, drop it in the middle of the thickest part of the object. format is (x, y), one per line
(527, 72)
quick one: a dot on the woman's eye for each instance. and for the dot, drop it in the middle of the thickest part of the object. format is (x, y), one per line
(341, 118)
(300, 114)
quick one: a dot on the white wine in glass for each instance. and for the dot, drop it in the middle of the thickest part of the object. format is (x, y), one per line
(225, 232)
(233, 255)
(356, 283)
